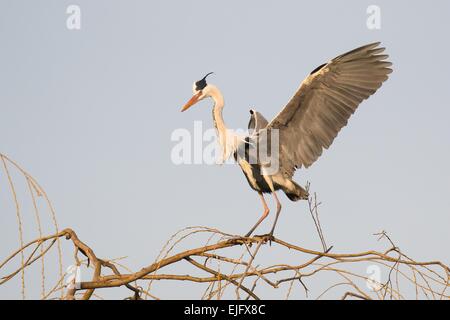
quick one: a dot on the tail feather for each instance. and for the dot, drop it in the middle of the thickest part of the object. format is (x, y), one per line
(296, 192)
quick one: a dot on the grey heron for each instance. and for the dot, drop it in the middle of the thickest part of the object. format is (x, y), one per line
(306, 126)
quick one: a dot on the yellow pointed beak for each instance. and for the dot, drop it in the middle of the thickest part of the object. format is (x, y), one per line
(192, 101)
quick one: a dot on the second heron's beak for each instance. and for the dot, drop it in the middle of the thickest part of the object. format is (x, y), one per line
(192, 101)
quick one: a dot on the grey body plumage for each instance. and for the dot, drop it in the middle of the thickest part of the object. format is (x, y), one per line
(252, 168)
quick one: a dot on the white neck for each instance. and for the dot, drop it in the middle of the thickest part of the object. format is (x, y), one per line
(219, 103)
(225, 138)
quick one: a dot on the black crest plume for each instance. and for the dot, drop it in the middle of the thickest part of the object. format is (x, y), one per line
(201, 84)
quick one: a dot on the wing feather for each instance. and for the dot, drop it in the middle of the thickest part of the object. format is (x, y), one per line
(256, 122)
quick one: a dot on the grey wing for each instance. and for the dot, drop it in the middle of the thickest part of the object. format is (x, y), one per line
(324, 102)
(257, 122)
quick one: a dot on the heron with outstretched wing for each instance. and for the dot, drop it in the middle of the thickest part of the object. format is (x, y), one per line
(310, 121)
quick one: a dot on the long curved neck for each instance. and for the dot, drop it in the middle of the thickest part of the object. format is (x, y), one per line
(219, 103)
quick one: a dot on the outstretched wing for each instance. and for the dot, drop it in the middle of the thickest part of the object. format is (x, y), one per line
(324, 102)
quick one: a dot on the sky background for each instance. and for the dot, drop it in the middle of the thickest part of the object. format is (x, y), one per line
(90, 113)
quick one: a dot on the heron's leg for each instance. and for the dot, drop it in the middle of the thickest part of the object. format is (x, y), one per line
(265, 214)
(269, 181)
(277, 214)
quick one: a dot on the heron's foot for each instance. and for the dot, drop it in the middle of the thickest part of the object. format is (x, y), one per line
(248, 238)
(271, 237)
(238, 238)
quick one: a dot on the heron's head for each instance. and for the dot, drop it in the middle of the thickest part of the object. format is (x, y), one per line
(201, 91)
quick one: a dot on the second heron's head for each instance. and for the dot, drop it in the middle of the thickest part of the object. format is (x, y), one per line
(201, 91)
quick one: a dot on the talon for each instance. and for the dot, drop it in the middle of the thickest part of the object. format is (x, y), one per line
(270, 237)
